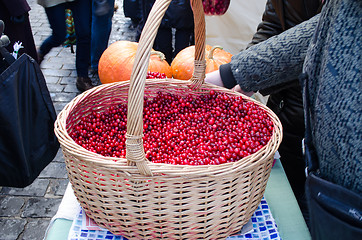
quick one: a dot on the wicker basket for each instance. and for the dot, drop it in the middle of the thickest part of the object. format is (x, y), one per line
(143, 200)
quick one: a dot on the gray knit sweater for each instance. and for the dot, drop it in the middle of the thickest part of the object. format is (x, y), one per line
(328, 49)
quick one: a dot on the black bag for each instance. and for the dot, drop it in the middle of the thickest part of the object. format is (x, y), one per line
(27, 139)
(335, 212)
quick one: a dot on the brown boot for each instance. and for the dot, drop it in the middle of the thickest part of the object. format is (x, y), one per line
(84, 83)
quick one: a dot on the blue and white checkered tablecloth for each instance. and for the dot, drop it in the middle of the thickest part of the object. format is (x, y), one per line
(262, 226)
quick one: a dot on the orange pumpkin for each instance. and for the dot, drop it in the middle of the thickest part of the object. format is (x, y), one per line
(117, 61)
(183, 64)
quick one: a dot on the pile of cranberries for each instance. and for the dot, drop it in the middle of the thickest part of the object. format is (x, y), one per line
(153, 75)
(208, 129)
(215, 7)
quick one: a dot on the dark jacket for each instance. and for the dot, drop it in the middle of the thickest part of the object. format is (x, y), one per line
(132, 9)
(178, 15)
(15, 8)
(285, 99)
(15, 15)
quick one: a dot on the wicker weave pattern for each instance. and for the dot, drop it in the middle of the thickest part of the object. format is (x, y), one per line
(144, 200)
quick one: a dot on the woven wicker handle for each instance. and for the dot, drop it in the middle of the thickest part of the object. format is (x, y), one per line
(134, 145)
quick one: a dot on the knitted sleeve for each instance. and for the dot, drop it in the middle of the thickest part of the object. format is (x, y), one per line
(274, 61)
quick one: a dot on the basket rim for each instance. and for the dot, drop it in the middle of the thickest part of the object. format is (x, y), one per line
(69, 145)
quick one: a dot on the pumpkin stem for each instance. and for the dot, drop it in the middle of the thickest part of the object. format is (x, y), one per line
(211, 53)
(160, 54)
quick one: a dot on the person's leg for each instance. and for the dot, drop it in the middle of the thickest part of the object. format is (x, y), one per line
(82, 23)
(183, 39)
(81, 10)
(56, 18)
(101, 30)
(163, 43)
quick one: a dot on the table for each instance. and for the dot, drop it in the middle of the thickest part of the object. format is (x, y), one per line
(278, 194)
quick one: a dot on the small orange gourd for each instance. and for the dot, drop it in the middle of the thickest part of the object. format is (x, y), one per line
(117, 60)
(182, 65)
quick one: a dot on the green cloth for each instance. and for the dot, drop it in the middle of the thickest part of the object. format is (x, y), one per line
(284, 206)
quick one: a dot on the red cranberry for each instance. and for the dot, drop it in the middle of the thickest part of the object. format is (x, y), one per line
(209, 129)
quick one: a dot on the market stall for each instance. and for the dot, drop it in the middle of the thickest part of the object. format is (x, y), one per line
(194, 188)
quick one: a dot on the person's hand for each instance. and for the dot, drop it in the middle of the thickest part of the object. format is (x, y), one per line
(214, 78)
(237, 88)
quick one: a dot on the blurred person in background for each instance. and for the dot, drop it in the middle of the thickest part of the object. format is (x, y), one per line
(81, 12)
(15, 14)
(102, 14)
(179, 20)
(132, 10)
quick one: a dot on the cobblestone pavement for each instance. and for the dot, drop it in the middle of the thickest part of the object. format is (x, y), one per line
(26, 212)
